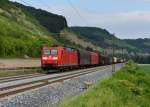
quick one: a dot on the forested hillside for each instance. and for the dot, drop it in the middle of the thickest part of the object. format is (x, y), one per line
(54, 23)
(101, 37)
(20, 33)
(79, 42)
(142, 44)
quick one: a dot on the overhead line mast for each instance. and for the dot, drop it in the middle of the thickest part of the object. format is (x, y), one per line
(113, 53)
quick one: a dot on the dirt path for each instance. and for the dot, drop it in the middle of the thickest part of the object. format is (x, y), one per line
(14, 63)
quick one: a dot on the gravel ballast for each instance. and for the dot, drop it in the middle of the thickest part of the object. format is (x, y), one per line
(52, 94)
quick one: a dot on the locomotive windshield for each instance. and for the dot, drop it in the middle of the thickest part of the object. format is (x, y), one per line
(46, 52)
(53, 52)
(50, 52)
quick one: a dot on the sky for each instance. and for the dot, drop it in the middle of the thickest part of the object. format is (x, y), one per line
(125, 18)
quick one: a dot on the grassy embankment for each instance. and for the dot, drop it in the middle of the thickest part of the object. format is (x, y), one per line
(130, 87)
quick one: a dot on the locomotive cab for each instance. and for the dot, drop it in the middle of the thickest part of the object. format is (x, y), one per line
(50, 57)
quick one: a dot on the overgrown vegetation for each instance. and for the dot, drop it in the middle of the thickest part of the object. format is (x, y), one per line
(129, 87)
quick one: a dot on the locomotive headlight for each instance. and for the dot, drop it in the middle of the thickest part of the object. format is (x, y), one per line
(45, 58)
(55, 58)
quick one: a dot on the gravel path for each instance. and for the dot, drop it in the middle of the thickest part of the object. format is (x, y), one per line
(52, 94)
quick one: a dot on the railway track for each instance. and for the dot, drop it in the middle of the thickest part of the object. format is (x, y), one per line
(18, 85)
(24, 69)
(20, 77)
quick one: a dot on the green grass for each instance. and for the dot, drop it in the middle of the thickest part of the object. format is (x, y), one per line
(130, 87)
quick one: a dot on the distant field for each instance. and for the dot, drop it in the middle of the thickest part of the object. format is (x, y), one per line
(130, 87)
(145, 67)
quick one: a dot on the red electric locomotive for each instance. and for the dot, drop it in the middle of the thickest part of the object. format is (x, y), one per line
(58, 57)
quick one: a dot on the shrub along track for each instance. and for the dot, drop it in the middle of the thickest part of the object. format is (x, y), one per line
(14, 87)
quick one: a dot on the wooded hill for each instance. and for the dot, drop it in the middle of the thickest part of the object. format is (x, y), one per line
(20, 33)
(54, 23)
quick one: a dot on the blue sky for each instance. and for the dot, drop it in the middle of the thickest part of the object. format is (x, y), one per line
(125, 18)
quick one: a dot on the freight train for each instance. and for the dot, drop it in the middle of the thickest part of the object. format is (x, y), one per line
(60, 58)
